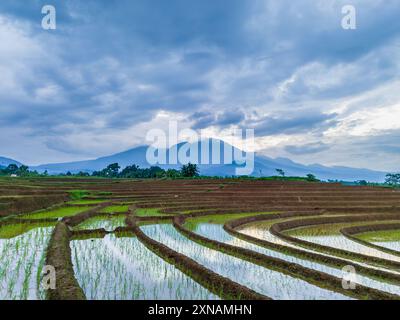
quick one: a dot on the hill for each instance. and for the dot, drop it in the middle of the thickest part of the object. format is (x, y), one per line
(263, 166)
(4, 162)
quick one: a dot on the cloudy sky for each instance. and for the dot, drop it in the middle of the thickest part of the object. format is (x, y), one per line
(112, 70)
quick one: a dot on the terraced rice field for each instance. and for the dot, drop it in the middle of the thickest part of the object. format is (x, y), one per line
(197, 239)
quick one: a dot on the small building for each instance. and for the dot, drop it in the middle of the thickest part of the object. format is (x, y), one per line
(14, 175)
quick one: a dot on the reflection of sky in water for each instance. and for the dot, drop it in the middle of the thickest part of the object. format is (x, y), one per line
(261, 231)
(21, 261)
(393, 245)
(271, 283)
(216, 232)
(124, 269)
(341, 242)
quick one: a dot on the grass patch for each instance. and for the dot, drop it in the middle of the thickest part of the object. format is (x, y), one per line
(56, 213)
(86, 201)
(149, 212)
(332, 229)
(14, 230)
(104, 193)
(112, 209)
(78, 194)
(380, 236)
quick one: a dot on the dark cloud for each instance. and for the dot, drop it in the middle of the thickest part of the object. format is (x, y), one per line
(204, 119)
(309, 148)
(304, 122)
(114, 64)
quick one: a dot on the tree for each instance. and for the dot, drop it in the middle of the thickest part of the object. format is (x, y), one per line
(110, 172)
(190, 170)
(311, 177)
(156, 172)
(23, 171)
(280, 172)
(172, 173)
(393, 179)
(11, 169)
(130, 172)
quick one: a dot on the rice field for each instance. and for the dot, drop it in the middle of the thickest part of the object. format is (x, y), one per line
(115, 268)
(178, 239)
(22, 259)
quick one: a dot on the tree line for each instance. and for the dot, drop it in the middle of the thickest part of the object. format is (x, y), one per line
(135, 172)
(20, 171)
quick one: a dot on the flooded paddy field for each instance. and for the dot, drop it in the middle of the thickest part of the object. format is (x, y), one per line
(87, 228)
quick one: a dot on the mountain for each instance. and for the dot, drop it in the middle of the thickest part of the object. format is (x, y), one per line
(263, 166)
(5, 162)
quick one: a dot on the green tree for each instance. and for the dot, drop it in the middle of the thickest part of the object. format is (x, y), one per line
(130, 172)
(393, 179)
(189, 170)
(11, 169)
(311, 177)
(172, 173)
(23, 171)
(280, 172)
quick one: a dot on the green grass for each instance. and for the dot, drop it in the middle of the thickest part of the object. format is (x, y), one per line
(112, 209)
(86, 201)
(149, 212)
(14, 230)
(78, 194)
(104, 193)
(380, 236)
(56, 213)
(332, 229)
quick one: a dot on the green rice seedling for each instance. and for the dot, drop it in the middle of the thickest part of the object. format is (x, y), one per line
(87, 202)
(115, 209)
(56, 213)
(128, 267)
(109, 223)
(216, 232)
(269, 282)
(22, 256)
(329, 235)
(78, 194)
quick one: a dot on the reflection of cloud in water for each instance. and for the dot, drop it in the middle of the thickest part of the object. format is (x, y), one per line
(216, 232)
(123, 268)
(269, 282)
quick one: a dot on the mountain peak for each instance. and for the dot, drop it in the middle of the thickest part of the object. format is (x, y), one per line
(263, 166)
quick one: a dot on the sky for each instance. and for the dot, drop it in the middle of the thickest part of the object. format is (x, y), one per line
(113, 70)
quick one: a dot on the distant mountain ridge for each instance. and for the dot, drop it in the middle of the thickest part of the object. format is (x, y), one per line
(263, 166)
(5, 162)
